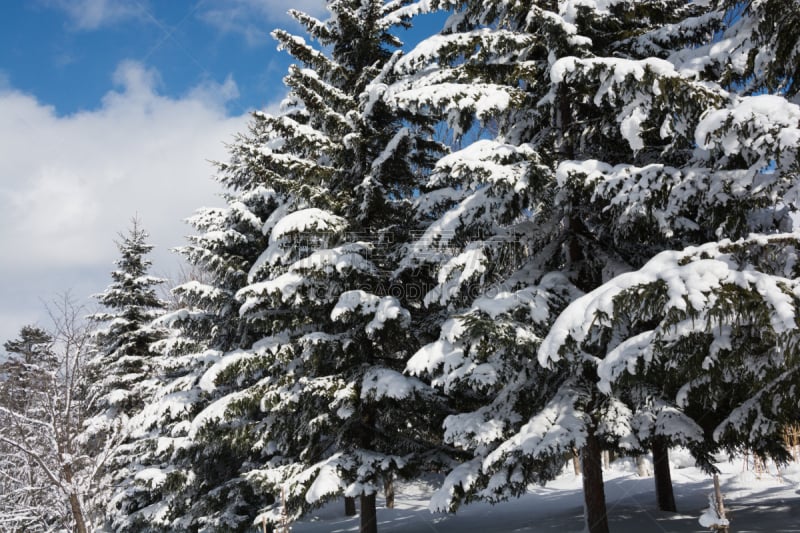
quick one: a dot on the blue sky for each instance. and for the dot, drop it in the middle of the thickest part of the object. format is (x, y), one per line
(111, 109)
(65, 52)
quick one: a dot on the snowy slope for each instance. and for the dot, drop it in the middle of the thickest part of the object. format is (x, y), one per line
(763, 503)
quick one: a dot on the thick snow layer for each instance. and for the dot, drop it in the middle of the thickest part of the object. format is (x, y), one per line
(430, 356)
(433, 47)
(351, 301)
(763, 129)
(551, 431)
(569, 8)
(483, 100)
(381, 309)
(311, 219)
(762, 503)
(618, 69)
(387, 383)
(690, 276)
(207, 381)
(388, 309)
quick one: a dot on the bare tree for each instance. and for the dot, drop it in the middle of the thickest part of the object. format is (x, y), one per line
(46, 468)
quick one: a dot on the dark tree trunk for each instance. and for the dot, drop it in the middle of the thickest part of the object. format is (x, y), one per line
(594, 494)
(349, 506)
(662, 476)
(369, 515)
(388, 489)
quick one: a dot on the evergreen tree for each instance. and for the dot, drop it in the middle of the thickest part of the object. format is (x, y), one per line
(123, 340)
(123, 367)
(185, 480)
(337, 414)
(629, 146)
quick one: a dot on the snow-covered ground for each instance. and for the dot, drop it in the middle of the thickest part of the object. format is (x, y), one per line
(755, 503)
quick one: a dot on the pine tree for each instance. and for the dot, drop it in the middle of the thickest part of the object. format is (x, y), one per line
(124, 365)
(124, 339)
(338, 416)
(25, 371)
(189, 479)
(630, 146)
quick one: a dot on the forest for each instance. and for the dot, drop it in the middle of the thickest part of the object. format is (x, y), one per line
(553, 232)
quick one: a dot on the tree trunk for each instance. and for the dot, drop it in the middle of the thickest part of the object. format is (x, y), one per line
(641, 466)
(576, 462)
(594, 495)
(74, 500)
(349, 506)
(369, 515)
(77, 514)
(720, 504)
(662, 476)
(388, 489)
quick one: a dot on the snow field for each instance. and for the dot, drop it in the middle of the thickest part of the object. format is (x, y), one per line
(767, 502)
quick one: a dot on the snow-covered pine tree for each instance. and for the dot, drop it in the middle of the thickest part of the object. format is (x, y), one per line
(182, 480)
(125, 330)
(491, 294)
(740, 179)
(594, 91)
(123, 367)
(339, 416)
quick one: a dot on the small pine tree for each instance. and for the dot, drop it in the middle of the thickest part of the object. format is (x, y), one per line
(124, 366)
(124, 338)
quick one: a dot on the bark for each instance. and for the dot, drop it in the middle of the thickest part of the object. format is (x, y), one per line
(77, 514)
(369, 515)
(349, 506)
(74, 503)
(662, 476)
(388, 489)
(594, 495)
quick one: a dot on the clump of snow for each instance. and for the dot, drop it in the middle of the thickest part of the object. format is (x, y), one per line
(431, 356)
(207, 381)
(327, 481)
(710, 517)
(383, 309)
(690, 277)
(311, 219)
(350, 301)
(387, 383)
(760, 128)
(388, 309)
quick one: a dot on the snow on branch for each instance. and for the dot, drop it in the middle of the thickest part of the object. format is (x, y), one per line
(689, 280)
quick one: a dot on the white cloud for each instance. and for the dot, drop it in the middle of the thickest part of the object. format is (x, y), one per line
(93, 14)
(254, 19)
(70, 184)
